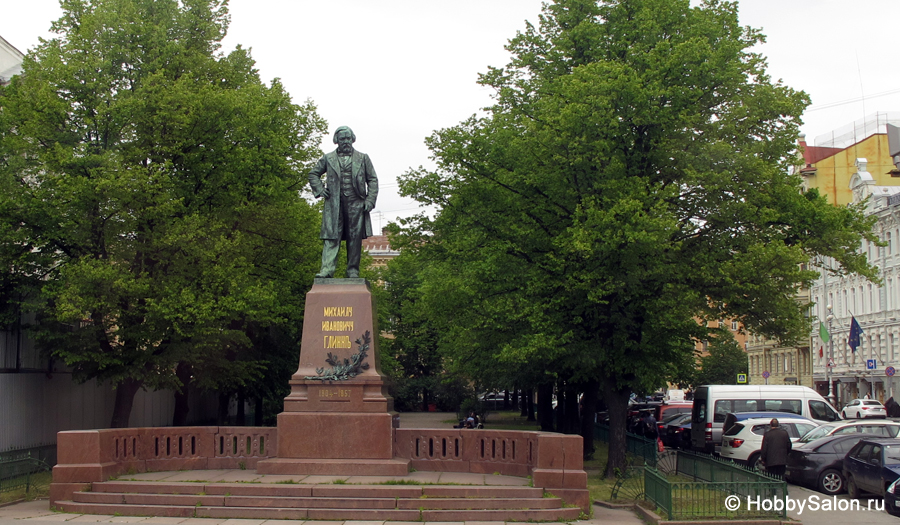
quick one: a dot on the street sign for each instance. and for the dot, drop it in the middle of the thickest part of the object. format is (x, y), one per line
(830, 363)
(871, 364)
(889, 371)
(741, 378)
(766, 374)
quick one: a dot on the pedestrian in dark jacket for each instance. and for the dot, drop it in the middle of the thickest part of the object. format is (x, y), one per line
(776, 445)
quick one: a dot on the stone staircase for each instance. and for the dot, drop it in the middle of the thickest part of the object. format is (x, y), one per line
(398, 501)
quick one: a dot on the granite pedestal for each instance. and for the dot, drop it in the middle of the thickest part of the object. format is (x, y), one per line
(338, 418)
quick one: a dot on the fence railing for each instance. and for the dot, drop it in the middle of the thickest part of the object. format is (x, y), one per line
(703, 467)
(20, 473)
(634, 444)
(719, 488)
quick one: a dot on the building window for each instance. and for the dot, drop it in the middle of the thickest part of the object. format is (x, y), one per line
(871, 300)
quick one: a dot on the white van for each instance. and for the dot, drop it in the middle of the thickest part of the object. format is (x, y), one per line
(713, 402)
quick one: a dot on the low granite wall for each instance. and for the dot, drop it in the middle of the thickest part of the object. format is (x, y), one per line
(554, 461)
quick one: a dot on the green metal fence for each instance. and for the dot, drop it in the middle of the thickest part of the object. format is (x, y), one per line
(25, 472)
(719, 488)
(703, 467)
(634, 444)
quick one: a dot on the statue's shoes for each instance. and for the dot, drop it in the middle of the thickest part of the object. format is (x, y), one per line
(324, 276)
(351, 275)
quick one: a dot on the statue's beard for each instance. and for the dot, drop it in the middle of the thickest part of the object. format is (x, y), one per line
(345, 148)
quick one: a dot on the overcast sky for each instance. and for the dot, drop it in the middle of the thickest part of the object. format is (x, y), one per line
(396, 70)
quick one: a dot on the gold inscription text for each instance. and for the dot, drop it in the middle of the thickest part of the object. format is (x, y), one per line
(337, 341)
(337, 326)
(337, 393)
(338, 311)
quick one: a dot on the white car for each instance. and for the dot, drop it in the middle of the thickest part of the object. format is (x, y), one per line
(743, 441)
(839, 428)
(863, 408)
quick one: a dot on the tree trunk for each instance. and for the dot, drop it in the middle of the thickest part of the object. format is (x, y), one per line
(506, 405)
(258, 414)
(617, 401)
(241, 411)
(125, 392)
(572, 421)
(545, 406)
(530, 400)
(426, 398)
(222, 416)
(588, 412)
(179, 418)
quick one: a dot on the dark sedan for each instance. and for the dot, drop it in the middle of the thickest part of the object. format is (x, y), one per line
(672, 439)
(872, 465)
(819, 464)
(679, 435)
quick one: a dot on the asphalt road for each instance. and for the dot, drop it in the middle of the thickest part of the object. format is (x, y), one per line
(837, 509)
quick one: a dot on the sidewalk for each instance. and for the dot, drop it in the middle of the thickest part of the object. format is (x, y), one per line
(38, 513)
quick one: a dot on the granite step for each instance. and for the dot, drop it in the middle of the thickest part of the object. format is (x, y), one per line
(442, 503)
(192, 500)
(533, 515)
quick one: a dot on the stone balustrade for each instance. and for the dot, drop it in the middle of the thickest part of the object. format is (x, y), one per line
(554, 461)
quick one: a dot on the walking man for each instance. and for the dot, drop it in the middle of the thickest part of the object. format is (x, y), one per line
(776, 445)
(350, 190)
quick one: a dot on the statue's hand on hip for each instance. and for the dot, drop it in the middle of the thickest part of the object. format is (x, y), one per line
(326, 193)
(369, 207)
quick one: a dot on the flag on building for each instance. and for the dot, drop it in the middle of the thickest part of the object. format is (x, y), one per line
(855, 332)
(821, 351)
(823, 333)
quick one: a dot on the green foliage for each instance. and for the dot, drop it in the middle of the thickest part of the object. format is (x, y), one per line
(630, 180)
(725, 361)
(150, 200)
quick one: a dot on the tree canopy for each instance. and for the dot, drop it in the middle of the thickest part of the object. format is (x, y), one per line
(629, 183)
(149, 203)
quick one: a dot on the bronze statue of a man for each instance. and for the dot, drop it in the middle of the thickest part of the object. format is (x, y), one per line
(350, 190)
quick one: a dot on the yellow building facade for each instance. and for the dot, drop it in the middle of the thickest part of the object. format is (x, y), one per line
(828, 166)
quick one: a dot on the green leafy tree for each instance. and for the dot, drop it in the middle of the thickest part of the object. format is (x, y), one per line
(418, 371)
(726, 359)
(630, 179)
(150, 184)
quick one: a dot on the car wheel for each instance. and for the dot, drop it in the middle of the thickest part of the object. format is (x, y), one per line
(755, 462)
(831, 482)
(852, 489)
(844, 415)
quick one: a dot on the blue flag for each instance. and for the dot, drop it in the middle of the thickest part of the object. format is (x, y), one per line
(855, 332)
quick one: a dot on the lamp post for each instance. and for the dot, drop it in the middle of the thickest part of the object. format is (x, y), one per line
(828, 363)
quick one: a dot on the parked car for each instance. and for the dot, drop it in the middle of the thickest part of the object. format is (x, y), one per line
(819, 464)
(743, 441)
(674, 421)
(666, 410)
(492, 400)
(872, 465)
(864, 408)
(868, 428)
(679, 435)
(736, 417)
(892, 498)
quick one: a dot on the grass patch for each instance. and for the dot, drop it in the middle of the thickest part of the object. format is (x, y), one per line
(286, 482)
(40, 488)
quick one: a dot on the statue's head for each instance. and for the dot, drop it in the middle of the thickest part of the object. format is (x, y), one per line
(347, 129)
